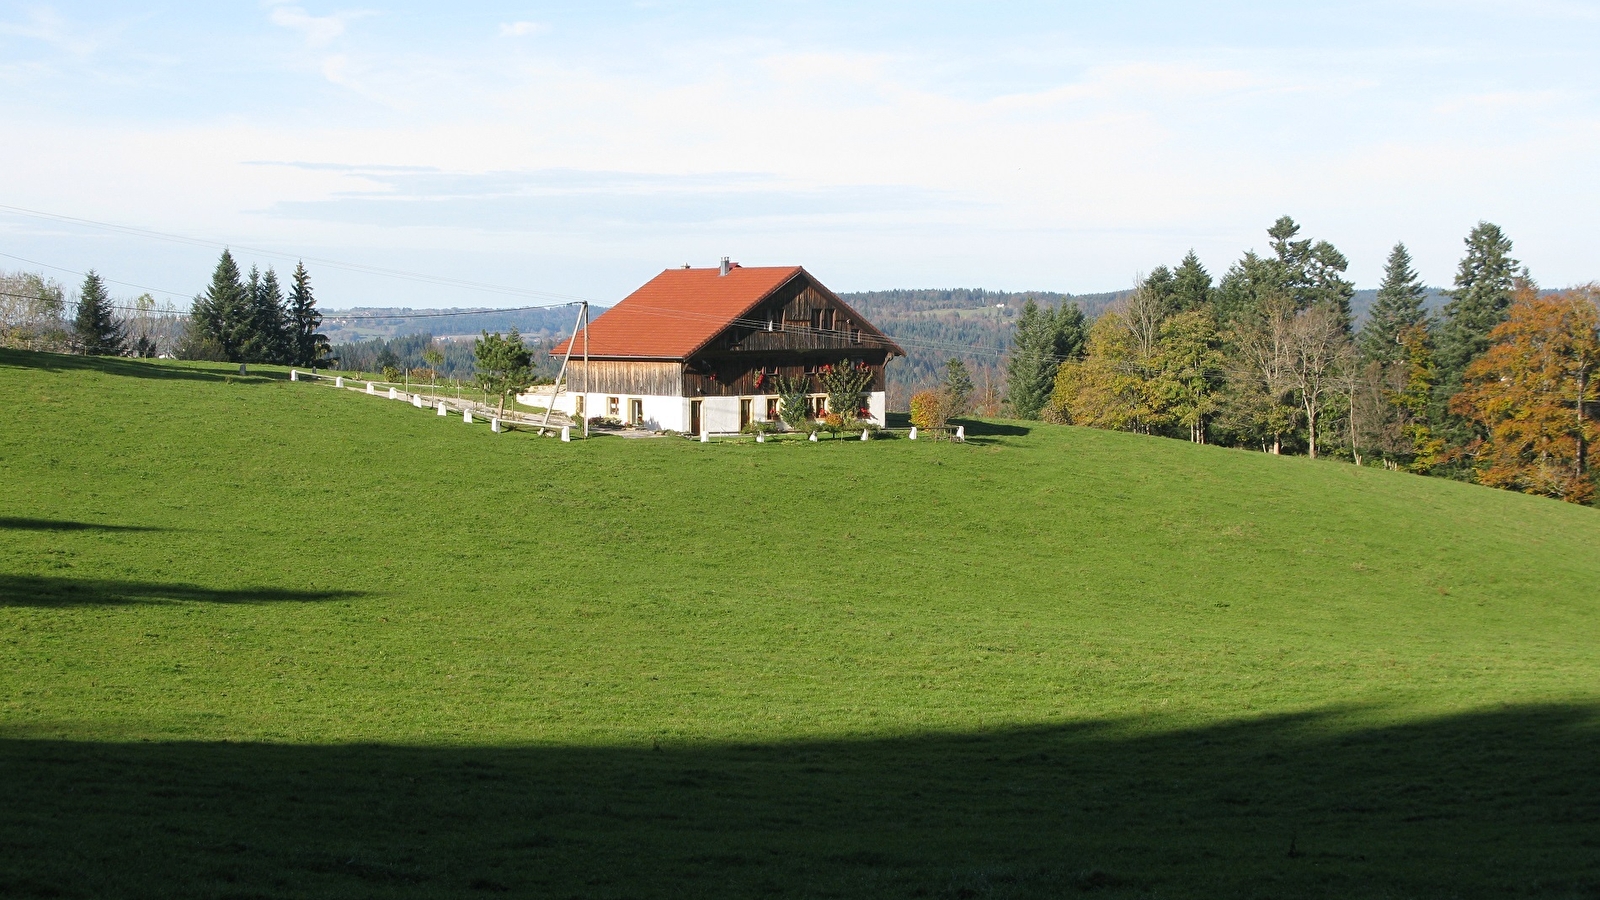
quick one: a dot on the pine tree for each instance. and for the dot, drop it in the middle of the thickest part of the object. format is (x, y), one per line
(1043, 339)
(1397, 309)
(306, 344)
(1310, 272)
(220, 315)
(96, 327)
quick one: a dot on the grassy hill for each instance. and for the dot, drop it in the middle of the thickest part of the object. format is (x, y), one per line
(262, 638)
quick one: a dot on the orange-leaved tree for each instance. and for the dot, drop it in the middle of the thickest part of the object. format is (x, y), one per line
(1533, 394)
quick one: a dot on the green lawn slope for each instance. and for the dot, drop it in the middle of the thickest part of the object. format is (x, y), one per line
(272, 639)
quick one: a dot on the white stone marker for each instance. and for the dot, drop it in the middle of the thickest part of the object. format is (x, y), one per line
(371, 389)
(566, 434)
(813, 437)
(466, 416)
(865, 436)
(294, 374)
(494, 425)
(394, 394)
(338, 381)
(705, 437)
(961, 433)
(442, 410)
(913, 432)
(416, 400)
(761, 437)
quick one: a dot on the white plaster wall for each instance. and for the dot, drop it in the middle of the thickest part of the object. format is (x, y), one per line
(720, 415)
(878, 406)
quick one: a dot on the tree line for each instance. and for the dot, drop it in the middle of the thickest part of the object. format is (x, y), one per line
(1496, 388)
(240, 319)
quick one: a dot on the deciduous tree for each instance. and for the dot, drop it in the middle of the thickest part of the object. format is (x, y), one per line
(1533, 392)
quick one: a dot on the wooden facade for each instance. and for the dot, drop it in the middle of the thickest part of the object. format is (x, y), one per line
(792, 333)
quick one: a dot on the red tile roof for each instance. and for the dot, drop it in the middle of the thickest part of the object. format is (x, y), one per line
(680, 311)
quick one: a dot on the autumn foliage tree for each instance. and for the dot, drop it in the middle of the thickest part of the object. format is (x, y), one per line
(1533, 394)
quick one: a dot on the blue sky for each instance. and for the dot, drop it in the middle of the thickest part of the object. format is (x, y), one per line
(579, 148)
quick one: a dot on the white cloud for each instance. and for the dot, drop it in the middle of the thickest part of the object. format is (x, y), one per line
(319, 31)
(522, 29)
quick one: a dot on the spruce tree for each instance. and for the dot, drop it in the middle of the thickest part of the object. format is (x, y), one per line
(266, 333)
(1478, 303)
(306, 345)
(96, 327)
(1397, 309)
(1191, 284)
(221, 314)
(1043, 340)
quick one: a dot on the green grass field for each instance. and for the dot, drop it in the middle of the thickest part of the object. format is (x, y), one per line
(271, 639)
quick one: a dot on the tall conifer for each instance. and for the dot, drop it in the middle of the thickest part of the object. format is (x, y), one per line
(1043, 340)
(1191, 284)
(306, 344)
(221, 313)
(1397, 309)
(1478, 303)
(96, 327)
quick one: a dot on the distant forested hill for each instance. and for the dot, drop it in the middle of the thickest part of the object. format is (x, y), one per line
(971, 324)
(364, 323)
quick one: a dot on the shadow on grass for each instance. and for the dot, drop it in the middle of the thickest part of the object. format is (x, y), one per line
(987, 428)
(15, 524)
(129, 368)
(44, 590)
(1495, 803)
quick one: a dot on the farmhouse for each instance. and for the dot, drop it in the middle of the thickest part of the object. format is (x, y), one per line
(702, 349)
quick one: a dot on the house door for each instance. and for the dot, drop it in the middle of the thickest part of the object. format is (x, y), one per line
(694, 416)
(744, 413)
(635, 412)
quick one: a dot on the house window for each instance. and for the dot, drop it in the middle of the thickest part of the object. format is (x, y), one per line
(816, 406)
(811, 368)
(822, 319)
(613, 406)
(744, 412)
(635, 411)
(772, 409)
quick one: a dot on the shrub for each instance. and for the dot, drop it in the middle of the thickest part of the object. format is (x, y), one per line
(792, 400)
(930, 410)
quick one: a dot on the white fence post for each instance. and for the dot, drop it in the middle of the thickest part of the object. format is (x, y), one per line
(865, 436)
(913, 432)
(761, 437)
(813, 437)
(961, 433)
(494, 425)
(371, 389)
(294, 374)
(466, 416)
(442, 410)
(566, 434)
(394, 394)
(416, 400)
(338, 381)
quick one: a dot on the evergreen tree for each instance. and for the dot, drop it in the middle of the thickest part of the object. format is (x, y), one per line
(1043, 339)
(305, 344)
(1191, 285)
(1310, 272)
(1483, 288)
(958, 385)
(1397, 310)
(265, 334)
(504, 364)
(96, 327)
(1242, 297)
(221, 314)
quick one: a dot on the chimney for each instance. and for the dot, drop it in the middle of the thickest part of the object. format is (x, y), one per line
(723, 269)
